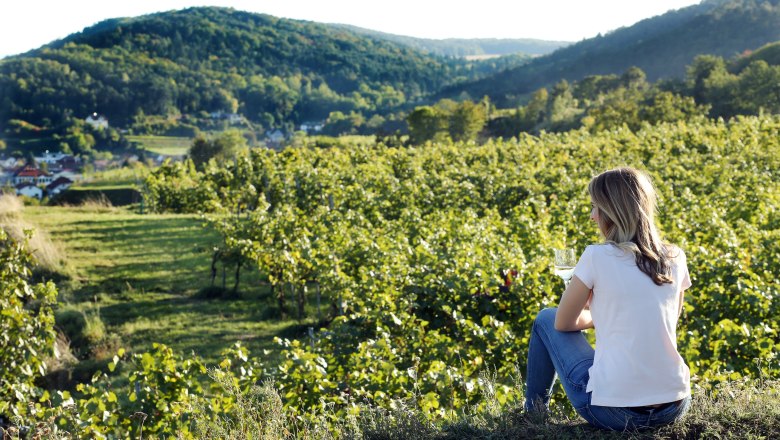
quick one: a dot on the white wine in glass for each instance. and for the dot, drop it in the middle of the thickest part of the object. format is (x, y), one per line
(564, 263)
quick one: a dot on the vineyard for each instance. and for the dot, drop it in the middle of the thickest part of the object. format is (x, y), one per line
(407, 249)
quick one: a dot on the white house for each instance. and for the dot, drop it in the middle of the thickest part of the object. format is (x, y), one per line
(71, 175)
(59, 185)
(29, 190)
(312, 127)
(233, 118)
(275, 136)
(10, 162)
(50, 158)
(97, 121)
(32, 175)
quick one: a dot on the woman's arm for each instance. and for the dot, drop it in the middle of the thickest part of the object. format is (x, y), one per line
(572, 315)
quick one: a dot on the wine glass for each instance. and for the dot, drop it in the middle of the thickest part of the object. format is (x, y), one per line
(564, 263)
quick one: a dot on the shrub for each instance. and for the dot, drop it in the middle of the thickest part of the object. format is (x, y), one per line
(27, 321)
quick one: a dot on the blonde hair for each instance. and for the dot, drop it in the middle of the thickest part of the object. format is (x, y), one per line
(626, 203)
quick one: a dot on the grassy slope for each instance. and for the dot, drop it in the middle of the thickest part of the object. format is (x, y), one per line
(165, 145)
(141, 272)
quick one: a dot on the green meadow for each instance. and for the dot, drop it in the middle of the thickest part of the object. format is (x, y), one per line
(141, 276)
(165, 145)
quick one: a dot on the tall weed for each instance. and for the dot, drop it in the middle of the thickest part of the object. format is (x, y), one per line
(48, 255)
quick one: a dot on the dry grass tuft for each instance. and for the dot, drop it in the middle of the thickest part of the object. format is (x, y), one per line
(10, 205)
(97, 203)
(48, 255)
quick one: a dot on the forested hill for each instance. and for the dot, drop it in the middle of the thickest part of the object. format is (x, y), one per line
(661, 46)
(275, 72)
(463, 47)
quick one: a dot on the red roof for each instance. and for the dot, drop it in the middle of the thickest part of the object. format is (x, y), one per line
(30, 172)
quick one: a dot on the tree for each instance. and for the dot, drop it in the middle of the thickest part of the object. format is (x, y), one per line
(702, 68)
(562, 108)
(466, 121)
(534, 113)
(634, 78)
(669, 107)
(425, 123)
(224, 146)
(758, 89)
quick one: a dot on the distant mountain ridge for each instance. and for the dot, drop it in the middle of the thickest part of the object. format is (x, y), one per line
(275, 72)
(661, 46)
(462, 47)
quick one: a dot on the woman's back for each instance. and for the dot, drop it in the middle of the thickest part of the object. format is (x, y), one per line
(636, 361)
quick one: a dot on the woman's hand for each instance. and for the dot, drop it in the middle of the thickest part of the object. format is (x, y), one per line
(572, 313)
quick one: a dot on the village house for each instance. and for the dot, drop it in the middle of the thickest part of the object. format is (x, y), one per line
(59, 185)
(29, 190)
(6, 176)
(9, 162)
(50, 158)
(28, 174)
(69, 162)
(232, 118)
(71, 175)
(97, 121)
(275, 136)
(312, 127)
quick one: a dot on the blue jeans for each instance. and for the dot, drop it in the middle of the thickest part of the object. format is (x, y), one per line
(570, 356)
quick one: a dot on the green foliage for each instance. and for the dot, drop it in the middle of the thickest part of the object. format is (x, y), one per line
(425, 123)
(170, 71)
(27, 321)
(447, 120)
(223, 147)
(409, 246)
(174, 186)
(720, 28)
(467, 120)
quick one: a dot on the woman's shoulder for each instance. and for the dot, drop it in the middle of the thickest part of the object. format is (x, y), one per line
(601, 251)
(674, 252)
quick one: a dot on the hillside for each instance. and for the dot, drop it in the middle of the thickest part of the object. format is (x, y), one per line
(275, 72)
(462, 47)
(661, 46)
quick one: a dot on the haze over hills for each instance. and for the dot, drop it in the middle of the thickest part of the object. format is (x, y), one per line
(462, 47)
(661, 46)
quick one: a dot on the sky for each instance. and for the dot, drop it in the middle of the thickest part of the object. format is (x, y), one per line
(29, 24)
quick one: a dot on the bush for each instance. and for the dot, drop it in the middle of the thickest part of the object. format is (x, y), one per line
(27, 321)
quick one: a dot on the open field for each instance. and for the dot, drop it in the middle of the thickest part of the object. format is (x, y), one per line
(166, 145)
(140, 274)
(125, 177)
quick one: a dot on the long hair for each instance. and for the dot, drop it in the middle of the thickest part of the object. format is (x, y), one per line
(626, 203)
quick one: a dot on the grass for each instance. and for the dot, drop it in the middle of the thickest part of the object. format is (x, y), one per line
(125, 177)
(165, 145)
(736, 410)
(49, 256)
(142, 272)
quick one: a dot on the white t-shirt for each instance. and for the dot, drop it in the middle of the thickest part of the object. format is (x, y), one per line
(636, 361)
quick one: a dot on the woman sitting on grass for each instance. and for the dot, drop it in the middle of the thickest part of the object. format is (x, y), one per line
(633, 284)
